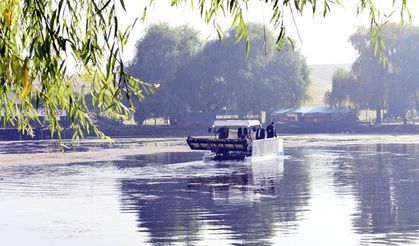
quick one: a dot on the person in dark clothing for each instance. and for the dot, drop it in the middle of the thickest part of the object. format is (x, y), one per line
(260, 133)
(242, 132)
(270, 130)
(222, 133)
(239, 132)
(245, 133)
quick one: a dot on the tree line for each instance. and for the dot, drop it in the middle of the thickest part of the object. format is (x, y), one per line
(390, 86)
(38, 48)
(197, 76)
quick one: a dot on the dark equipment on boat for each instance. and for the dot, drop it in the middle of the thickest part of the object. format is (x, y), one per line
(224, 149)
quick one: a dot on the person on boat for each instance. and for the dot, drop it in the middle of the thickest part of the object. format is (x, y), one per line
(242, 132)
(245, 133)
(222, 133)
(252, 134)
(270, 130)
(260, 133)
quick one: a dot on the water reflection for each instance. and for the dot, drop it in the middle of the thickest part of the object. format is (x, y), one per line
(367, 192)
(236, 202)
(385, 181)
(317, 195)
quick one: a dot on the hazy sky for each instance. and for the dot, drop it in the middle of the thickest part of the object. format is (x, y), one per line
(323, 40)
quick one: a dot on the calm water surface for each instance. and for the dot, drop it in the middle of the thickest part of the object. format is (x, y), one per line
(360, 194)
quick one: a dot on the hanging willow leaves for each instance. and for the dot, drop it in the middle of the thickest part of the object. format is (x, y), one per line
(40, 38)
(27, 83)
(38, 41)
(211, 10)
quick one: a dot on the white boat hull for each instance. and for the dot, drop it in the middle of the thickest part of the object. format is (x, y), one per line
(267, 149)
(262, 150)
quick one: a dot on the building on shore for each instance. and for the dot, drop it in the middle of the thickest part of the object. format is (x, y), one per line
(315, 119)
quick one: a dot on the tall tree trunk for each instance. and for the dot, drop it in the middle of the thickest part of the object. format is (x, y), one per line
(378, 116)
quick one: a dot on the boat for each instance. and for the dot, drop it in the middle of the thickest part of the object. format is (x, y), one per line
(234, 148)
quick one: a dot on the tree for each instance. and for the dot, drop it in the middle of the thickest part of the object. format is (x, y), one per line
(236, 83)
(218, 78)
(393, 86)
(404, 86)
(160, 53)
(288, 74)
(345, 90)
(368, 71)
(40, 38)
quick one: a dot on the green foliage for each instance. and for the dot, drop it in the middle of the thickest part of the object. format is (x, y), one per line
(211, 10)
(369, 73)
(40, 40)
(160, 53)
(219, 75)
(345, 90)
(404, 83)
(393, 87)
(219, 78)
(366, 84)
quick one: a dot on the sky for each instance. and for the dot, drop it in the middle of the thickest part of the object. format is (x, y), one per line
(323, 40)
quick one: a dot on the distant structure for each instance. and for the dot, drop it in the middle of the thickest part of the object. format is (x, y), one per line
(41, 130)
(315, 119)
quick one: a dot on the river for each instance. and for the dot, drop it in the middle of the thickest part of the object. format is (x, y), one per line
(327, 190)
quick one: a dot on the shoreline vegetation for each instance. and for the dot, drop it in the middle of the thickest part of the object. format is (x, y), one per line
(162, 131)
(169, 131)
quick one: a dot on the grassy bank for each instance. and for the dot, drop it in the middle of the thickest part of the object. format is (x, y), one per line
(170, 131)
(152, 131)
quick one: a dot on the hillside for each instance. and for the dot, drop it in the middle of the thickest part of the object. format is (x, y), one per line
(321, 81)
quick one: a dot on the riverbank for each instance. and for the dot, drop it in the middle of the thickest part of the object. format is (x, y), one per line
(114, 131)
(46, 152)
(162, 131)
(386, 128)
(140, 131)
